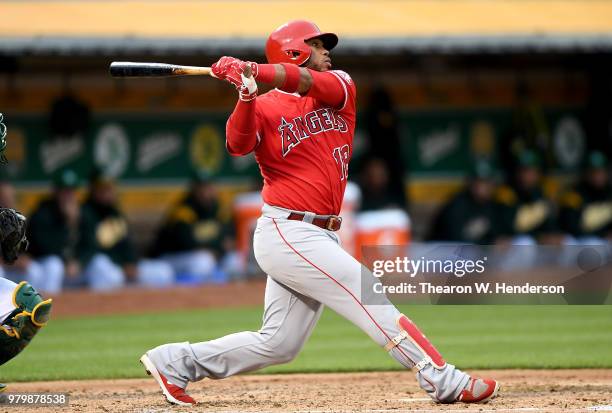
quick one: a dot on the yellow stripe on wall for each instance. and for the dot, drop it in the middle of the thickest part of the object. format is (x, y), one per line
(433, 191)
(439, 190)
(347, 18)
(153, 200)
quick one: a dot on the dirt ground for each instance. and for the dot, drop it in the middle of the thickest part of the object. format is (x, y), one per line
(522, 390)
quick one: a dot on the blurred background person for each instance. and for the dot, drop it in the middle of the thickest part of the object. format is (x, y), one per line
(116, 260)
(529, 130)
(382, 125)
(69, 117)
(24, 268)
(526, 216)
(586, 210)
(381, 218)
(193, 239)
(7, 192)
(469, 216)
(62, 235)
(375, 184)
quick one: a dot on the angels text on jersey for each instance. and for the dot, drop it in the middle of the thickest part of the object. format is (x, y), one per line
(294, 131)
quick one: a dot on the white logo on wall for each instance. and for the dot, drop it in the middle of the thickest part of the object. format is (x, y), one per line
(112, 149)
(156, 149)
(569, 141)
(56, 153)
(438, 144)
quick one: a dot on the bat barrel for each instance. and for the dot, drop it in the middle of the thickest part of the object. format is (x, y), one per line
(136, 69)
(132, 69)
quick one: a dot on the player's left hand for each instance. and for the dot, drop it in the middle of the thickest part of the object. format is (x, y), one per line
(248, 88)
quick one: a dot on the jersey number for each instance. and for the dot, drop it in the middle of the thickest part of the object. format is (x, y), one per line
(341, 155)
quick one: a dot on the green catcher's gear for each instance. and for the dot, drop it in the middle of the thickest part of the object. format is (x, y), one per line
(30, 315)
(13, 240)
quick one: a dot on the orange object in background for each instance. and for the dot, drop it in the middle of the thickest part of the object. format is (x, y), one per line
(348, 212)
(247, 209)
(388, 229)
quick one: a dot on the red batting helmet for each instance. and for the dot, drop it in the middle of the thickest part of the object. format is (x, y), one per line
(287, 44)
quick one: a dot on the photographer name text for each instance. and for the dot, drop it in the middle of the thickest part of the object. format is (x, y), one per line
(476, 288)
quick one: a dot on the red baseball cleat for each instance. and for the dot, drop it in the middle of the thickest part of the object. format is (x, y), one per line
(479, 391)
(174, 394)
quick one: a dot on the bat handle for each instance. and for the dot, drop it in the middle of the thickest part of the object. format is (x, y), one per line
(193, 71)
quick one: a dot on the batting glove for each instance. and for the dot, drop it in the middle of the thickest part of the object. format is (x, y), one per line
(238, 73)
(220, 68)
(248, 88)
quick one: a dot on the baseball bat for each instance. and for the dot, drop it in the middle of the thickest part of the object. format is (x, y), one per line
(136, 69)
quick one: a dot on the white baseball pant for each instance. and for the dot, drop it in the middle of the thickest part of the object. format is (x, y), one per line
(307, 270)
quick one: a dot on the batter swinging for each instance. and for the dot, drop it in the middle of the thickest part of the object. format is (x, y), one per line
(302, 135)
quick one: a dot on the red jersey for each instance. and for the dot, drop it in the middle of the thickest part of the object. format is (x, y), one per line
(304, 148)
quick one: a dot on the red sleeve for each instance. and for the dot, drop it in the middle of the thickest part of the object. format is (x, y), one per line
(329, 88)
(241, 135)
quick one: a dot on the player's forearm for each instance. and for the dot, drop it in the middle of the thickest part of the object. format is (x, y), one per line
(241, 128)
(298, 79)
(325, 87)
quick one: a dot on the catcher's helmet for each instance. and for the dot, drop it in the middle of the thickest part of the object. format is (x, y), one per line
(287, 44)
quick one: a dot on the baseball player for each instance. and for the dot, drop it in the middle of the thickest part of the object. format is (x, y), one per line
(302, 133)
(22, 310)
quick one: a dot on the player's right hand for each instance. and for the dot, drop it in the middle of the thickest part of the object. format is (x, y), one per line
(239, 73)
(229, 68)
(220, 68)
